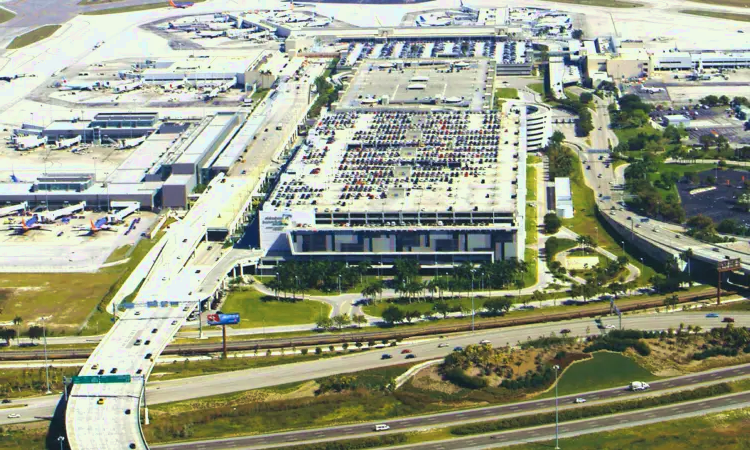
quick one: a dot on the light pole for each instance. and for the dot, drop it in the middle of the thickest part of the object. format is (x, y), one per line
(61, 439)
(641, 264)
(339, 284)
(46, 365)
(557, 423)
(472, 299)
(200, 319)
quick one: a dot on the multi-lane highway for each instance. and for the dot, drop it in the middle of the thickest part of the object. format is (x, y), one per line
(222, 383)
(463, 416)
(103, 416)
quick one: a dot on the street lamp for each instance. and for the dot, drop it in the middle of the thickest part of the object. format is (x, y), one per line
(46, 365)
(61, 439)
(472, 299)
(339, 284)
(557, 422)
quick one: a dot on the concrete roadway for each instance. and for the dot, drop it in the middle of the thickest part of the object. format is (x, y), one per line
(471, 415)
(593, 425)
(223, 383)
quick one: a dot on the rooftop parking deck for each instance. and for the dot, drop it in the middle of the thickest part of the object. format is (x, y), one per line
(427, 162)
(422, 82)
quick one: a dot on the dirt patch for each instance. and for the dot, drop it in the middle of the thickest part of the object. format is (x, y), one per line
(430, 380)
(673, 356)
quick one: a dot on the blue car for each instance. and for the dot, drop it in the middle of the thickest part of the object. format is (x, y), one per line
(712, 315)
(458, 349)
(386, 356)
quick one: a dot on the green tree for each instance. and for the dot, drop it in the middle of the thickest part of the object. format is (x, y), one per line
(392, 315)
(441, 307)
(324, 323)
(341, 320)
(359, 320)
(552, 223)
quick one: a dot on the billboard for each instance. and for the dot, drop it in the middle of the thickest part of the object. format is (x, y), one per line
(223, 319)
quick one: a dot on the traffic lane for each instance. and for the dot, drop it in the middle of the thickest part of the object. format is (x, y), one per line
(588, 425)
(224, 383)
(160, 392)
(488, 413)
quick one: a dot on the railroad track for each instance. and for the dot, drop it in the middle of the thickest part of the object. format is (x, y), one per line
(404, 333)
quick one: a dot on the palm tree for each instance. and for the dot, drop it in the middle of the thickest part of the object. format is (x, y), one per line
(17, 322)
(363, 267)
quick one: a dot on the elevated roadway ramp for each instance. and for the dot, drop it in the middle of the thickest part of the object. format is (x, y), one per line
(167, 296)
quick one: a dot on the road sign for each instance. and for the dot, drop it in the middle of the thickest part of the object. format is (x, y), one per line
(152, 304)
(127, 305)
(174, 304)
(114, 379)
(96, 379)
(727, 265)
(164, 303)
(223, 319)
(86, 380)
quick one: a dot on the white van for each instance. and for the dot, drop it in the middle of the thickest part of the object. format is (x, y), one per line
(382, 427)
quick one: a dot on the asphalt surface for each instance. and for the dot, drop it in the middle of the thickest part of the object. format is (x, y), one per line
(606, 423)
(480, 414)
(31, 14)
(241, 380)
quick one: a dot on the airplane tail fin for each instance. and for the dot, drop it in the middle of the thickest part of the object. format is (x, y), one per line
(93, 227)
(171, 2)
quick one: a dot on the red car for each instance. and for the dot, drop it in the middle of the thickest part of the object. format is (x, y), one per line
(406, 350)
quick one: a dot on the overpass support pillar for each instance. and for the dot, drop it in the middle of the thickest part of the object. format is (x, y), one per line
(242, 271)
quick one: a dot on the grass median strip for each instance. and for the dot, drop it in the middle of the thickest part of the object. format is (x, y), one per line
(717, 15)
(5, 15)
(591, 411)
(33, 36)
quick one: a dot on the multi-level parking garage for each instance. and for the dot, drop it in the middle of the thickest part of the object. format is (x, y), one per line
(411, 83)
(444, 186)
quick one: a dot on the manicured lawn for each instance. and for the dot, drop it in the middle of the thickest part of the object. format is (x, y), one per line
(531, 183)
(718, 431)
(506, 93)
(740, 3)
(718, 15)
(423, 307)
(604, 370)
(586, 222)
(537, 87)
(5, 15)
(680, 169)
(118, 254)
(530, 257)
(33, 36)
(257, 310)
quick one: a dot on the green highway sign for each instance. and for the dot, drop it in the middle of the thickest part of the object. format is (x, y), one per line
(96, 379)
(86, 380)
(114, 379)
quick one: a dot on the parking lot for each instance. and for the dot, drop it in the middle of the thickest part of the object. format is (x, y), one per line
(718, 204)
(427, 82)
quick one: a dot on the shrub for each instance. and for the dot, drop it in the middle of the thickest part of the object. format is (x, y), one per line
(461, 379)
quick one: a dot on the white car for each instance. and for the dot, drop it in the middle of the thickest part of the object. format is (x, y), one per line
(442, 345)
(580, 400)
(14, 416)
(609, 326)
(484, 341)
